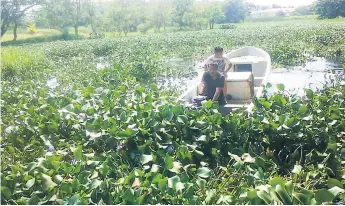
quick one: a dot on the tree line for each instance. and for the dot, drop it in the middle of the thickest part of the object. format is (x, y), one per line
(123, 16)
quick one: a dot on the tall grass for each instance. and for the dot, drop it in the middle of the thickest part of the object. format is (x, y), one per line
(20, 62)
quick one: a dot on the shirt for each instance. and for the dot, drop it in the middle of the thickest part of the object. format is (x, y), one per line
(222, 62)
(211, 86)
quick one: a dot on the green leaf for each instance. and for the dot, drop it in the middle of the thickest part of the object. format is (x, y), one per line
(210, 194)
(235, 157)
(289, 187)
(302, 109)
(155, 168)
(31, 166)
(176, 168)
(66, 188)
(252, 194)
(78, 153)
(259, 175)
(302, 198)
(47, 182)
(201, 183)
(334, 182)
(297, 169)
(323, 196)
(283, 194)
(336, 190)
(34, 200)
(333, 122)
(264, 196)
(6, 192)
(141, 199)
(204, 172)
(83, 177)
(94, 184)
(168, 162)
(202, 138)
(104, 168)
(225, 200)
(154, 87)
(281, 87)
(310, 93)
(93, 135)
(277, 181)
(146, 159)
(30, 183)
(172, 182)
(58, 178)
(162, 184)
(265, 121)
(11, 150)
(73, 200)
(123, 116)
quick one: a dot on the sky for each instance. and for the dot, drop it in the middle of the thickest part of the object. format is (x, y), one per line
(282, 2)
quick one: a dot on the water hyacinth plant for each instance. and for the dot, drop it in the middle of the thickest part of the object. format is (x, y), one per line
(129, 151)
(112, 136)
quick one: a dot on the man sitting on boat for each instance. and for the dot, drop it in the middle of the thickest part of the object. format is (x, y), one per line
(213, 84)
(223, 63)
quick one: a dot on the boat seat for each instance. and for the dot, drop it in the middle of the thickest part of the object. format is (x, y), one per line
(240, 85)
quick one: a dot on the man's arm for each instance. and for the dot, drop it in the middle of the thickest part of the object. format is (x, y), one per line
(202, 90)
(203, 84)
(227, 61)
(216, 94)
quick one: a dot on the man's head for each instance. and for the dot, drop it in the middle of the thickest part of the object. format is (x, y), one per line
(218, 51)
(212, 68)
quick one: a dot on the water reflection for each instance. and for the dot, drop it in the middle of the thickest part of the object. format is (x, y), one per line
(312, 75)
(52, 83)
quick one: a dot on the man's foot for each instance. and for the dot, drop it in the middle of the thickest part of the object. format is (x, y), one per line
(228, 97)
(226, 101)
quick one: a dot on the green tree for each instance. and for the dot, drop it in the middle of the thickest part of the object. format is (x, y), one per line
(12, 12)
(330, 8)
(214, 15)
(65, 13)
(180, 8)
(59, 14)
(127, 15)
(144, 27)
(304, 10)
(160, 13)
(94, 17)
(280, 13)
(235, 11)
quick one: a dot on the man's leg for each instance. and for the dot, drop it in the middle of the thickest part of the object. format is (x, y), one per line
(225, 89)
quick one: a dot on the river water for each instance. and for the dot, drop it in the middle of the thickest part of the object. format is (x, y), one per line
(311, 75)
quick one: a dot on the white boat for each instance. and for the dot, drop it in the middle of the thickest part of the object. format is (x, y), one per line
(246, 79)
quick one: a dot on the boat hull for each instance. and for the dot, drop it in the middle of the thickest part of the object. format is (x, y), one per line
(246, 79)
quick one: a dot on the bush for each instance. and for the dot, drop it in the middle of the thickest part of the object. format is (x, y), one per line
(227, 26)
(32, 29)
(280, 14)
(143, 28)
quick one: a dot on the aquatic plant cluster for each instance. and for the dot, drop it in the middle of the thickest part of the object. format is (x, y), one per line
(146, 57)
(110, 139)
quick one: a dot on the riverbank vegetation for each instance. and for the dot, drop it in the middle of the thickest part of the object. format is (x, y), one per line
(89, 121)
